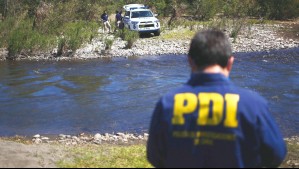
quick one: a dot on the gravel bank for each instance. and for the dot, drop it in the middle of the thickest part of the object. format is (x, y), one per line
(81, 139)
(253, 38)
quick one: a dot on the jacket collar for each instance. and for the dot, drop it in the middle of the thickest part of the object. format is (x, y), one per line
(207, 79)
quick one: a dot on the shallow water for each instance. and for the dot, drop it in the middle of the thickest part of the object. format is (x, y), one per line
(119, 95)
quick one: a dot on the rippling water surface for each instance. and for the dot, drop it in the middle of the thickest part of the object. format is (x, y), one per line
(119, 95)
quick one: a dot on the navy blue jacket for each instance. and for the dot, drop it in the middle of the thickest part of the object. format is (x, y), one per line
(104, 17)
(211, 123)
(118, 17)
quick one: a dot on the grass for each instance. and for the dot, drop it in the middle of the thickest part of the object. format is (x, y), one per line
(183, 34)
(17, 139)
(293, 155)
(133, 156)
(107, 156)
(184, 29)
(262, 21)
(126, 156)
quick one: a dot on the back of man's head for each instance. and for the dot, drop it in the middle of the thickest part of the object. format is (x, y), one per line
(210, 47)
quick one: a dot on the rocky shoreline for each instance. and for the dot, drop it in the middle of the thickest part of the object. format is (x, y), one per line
(81, 139)
(259, 37)
(118, 138)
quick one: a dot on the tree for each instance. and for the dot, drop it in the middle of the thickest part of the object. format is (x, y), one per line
(279, 9)
(204, 9)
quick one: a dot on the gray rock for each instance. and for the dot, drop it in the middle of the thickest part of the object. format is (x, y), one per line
(98, 137)
(37, 141)
(36, 136)
(45, 138)
(62, 136)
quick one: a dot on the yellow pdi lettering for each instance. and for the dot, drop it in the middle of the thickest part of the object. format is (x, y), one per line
(184, 104)
(205, 100)
(214, 103)
(232, 101)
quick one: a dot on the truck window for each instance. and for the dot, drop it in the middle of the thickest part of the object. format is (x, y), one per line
(127, 13)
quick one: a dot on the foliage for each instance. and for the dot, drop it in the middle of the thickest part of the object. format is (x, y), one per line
(278, 9)
(108, 43)
(51, 26)
(204, 9)
(236, 28)
(77, 33)
(129, 36)
(22, 39)
(31, 25)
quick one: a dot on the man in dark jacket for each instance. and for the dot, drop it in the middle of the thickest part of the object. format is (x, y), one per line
(106, 23)
(209, 122)
(118, 20)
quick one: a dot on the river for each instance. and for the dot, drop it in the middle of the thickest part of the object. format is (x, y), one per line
(119, 95)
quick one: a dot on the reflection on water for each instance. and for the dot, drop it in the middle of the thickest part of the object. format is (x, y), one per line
(118, 95)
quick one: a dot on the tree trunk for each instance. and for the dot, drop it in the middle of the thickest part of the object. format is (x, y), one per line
(174, 12)
(5, 8)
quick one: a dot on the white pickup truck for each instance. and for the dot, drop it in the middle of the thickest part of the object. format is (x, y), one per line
(139, 18)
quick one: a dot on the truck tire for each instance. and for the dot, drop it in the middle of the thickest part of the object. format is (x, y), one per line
(157, 33)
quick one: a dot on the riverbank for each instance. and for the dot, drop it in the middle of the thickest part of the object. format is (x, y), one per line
(252, 38)
(89, 153)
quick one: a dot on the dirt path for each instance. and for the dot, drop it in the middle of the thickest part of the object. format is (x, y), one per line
(16, 155)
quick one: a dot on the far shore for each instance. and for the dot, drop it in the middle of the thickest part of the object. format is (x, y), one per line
(253, 38)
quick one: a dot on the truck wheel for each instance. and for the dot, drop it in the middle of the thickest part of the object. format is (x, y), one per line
(157, 33)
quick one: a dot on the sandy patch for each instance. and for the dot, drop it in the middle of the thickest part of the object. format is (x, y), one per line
(16, 155)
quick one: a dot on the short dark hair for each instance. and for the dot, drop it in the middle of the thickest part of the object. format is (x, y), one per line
(210, 47)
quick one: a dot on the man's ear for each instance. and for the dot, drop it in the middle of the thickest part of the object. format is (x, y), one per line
(230, 63)
(192, 64)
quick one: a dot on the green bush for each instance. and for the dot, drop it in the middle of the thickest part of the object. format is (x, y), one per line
(205, 9)
(18, 36)
(108, 43)
(279, 9)
(22, 39)
(131, 37)
(127, 35)
(73, 35)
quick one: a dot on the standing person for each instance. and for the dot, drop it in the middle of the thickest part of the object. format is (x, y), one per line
(210, 122)
(105, 20)
(118, 20)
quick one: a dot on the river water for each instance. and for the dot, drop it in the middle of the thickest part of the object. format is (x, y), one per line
(119, 95)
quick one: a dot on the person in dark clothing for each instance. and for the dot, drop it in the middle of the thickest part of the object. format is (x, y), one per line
(106, 23)
(211, 123)
(118, 20)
